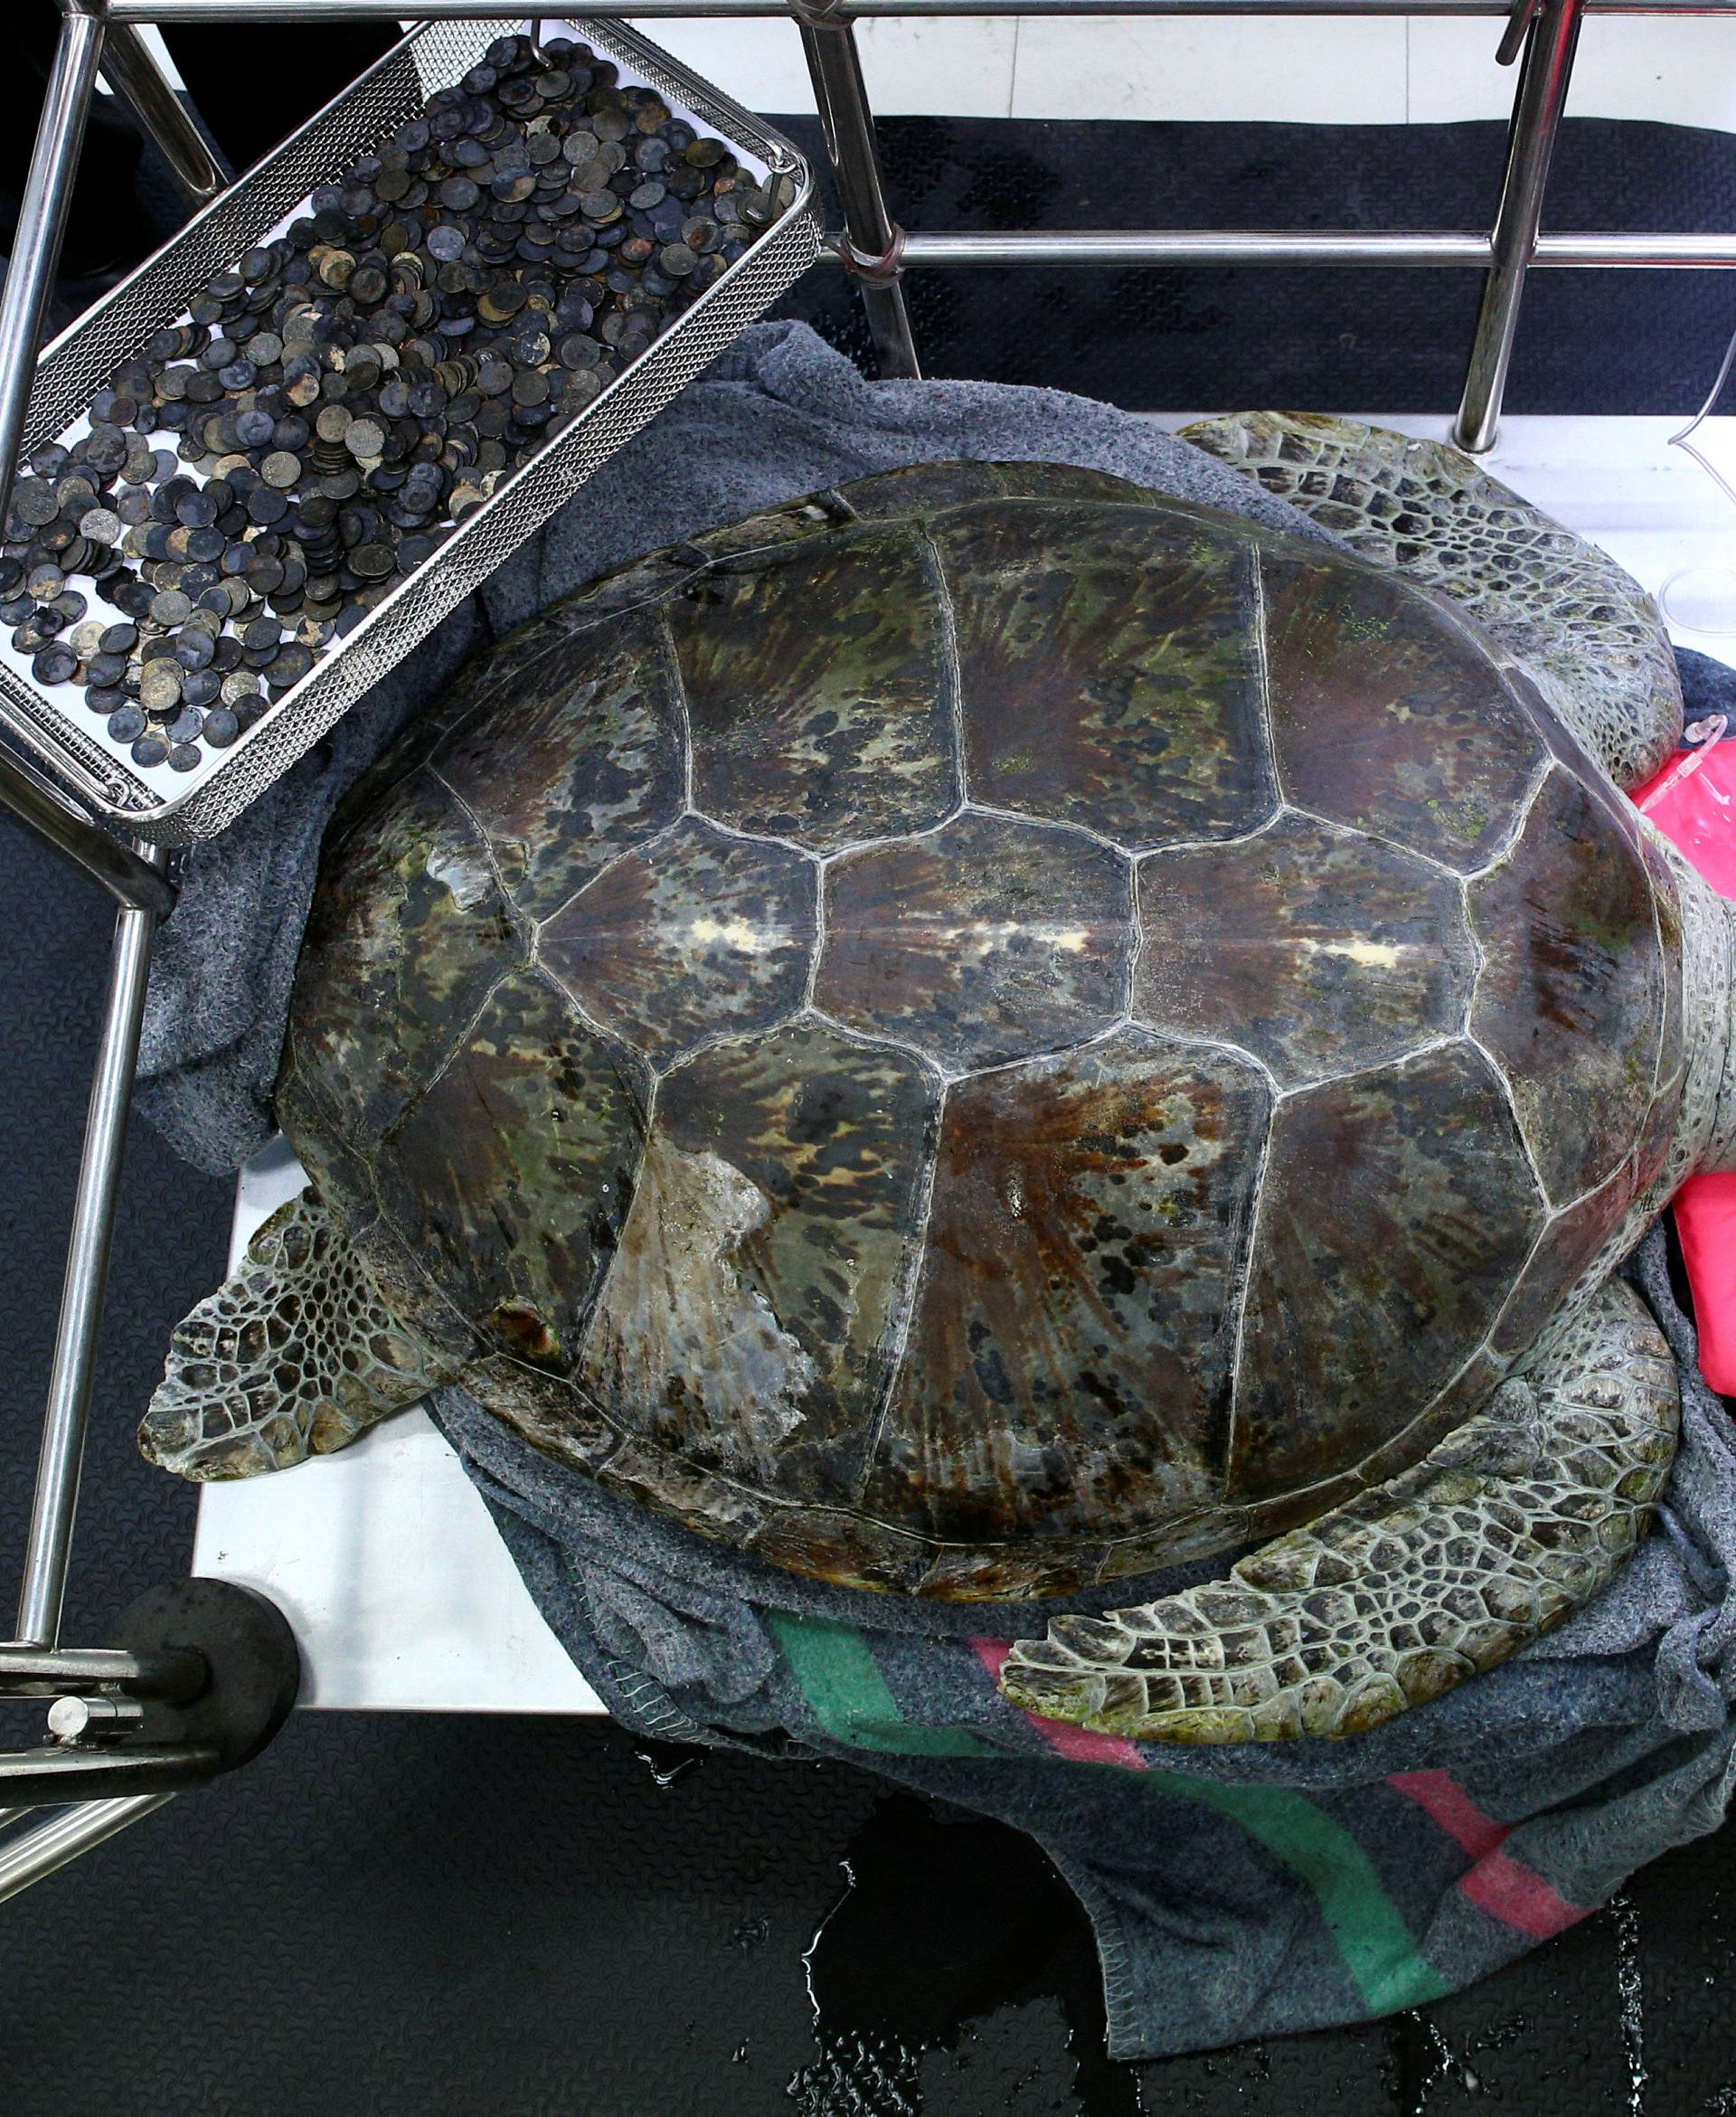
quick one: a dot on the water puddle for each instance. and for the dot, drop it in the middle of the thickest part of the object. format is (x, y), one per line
(940, 1928)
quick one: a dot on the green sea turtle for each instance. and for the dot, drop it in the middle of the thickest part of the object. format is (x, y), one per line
(991, 1032)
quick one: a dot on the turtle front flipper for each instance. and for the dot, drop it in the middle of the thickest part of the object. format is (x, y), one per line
(1515, 1520)
(295, 1356)
(1586, 632)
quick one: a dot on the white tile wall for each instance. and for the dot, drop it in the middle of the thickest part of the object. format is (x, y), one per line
(1327, 70)
(1301, 73)
(1636, 66)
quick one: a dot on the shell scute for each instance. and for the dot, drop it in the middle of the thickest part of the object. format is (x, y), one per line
(594, 765)
(695, 935)
(1396, 1212)
(989, 940)
(1137, 716)
(1317, 948)
(511, 1172)
(1387, 714)
(746, 1321)
(818, 691)
(1072, 1343)
(404, 941)
(1573, 991)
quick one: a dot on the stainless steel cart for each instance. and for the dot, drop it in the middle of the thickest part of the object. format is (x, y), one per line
(160, 1671)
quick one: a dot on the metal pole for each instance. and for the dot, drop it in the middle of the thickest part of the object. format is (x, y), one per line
(1537, 106)
(875, 238)
(174, 1674)
(953, 250)
(42, 223)
(318, 11)
(86, 1268)
(38, 1852)
(1189, 246)
(131, 68)
(62, 1772)
(128, 879)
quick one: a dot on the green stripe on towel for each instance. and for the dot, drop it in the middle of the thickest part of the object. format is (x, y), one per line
(1370, 1929)
(847, 1695)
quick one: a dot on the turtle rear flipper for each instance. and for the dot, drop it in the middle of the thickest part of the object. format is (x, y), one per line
(294, 1356)
(1585, 629)
(1513, 1522)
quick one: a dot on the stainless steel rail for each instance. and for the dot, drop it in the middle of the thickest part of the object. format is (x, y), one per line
(1212, 246)
(87, 1270)
(34, 1854)
(130, 69)
(1550, 41)
(42, 223)
(51, 1672)
(128, 878)
(314, 11)
(871, 239)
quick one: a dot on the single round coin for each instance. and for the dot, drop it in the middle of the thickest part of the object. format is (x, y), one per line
(55, 664)
(221, 727)
(126, 723)
(149, 750)
(280, 468)
(159, 687)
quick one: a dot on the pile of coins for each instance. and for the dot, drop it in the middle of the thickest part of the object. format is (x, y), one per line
(349, 392)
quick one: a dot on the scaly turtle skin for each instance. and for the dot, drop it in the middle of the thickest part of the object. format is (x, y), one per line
(990, 1032)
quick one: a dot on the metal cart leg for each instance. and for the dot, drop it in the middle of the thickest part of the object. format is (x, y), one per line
(87, 1271)
(131, 68)
(873, 237)
(1545, 71)
(34, 1854)
(42, 222)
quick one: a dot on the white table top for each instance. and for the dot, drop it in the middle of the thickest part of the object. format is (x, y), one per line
(384, 1558)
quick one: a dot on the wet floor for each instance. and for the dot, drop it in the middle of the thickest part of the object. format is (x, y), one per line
(955, 1973)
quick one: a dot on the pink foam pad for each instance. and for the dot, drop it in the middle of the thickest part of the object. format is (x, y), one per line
(1692, 801)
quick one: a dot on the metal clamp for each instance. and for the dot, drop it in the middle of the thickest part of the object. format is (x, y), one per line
(861, 264)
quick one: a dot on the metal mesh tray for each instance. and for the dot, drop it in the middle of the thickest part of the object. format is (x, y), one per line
(79, 361)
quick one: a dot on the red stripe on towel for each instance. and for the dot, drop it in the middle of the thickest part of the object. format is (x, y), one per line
(1497, 1883)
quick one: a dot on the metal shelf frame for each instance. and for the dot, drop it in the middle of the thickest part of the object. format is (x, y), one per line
(101, 37)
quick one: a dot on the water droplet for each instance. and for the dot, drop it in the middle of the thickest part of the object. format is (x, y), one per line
(668, 1763)
(1631, 1992)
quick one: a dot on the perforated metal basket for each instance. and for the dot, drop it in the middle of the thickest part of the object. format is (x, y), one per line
(80, 360)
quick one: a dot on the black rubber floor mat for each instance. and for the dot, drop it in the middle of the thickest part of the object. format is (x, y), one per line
(1209, 338)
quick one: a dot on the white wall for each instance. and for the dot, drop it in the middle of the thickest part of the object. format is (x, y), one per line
(1323, 71)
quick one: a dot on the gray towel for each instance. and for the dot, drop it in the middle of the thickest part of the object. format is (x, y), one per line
(1234, 1892)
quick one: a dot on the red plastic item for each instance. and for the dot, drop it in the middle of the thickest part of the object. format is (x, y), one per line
(1692, 801)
